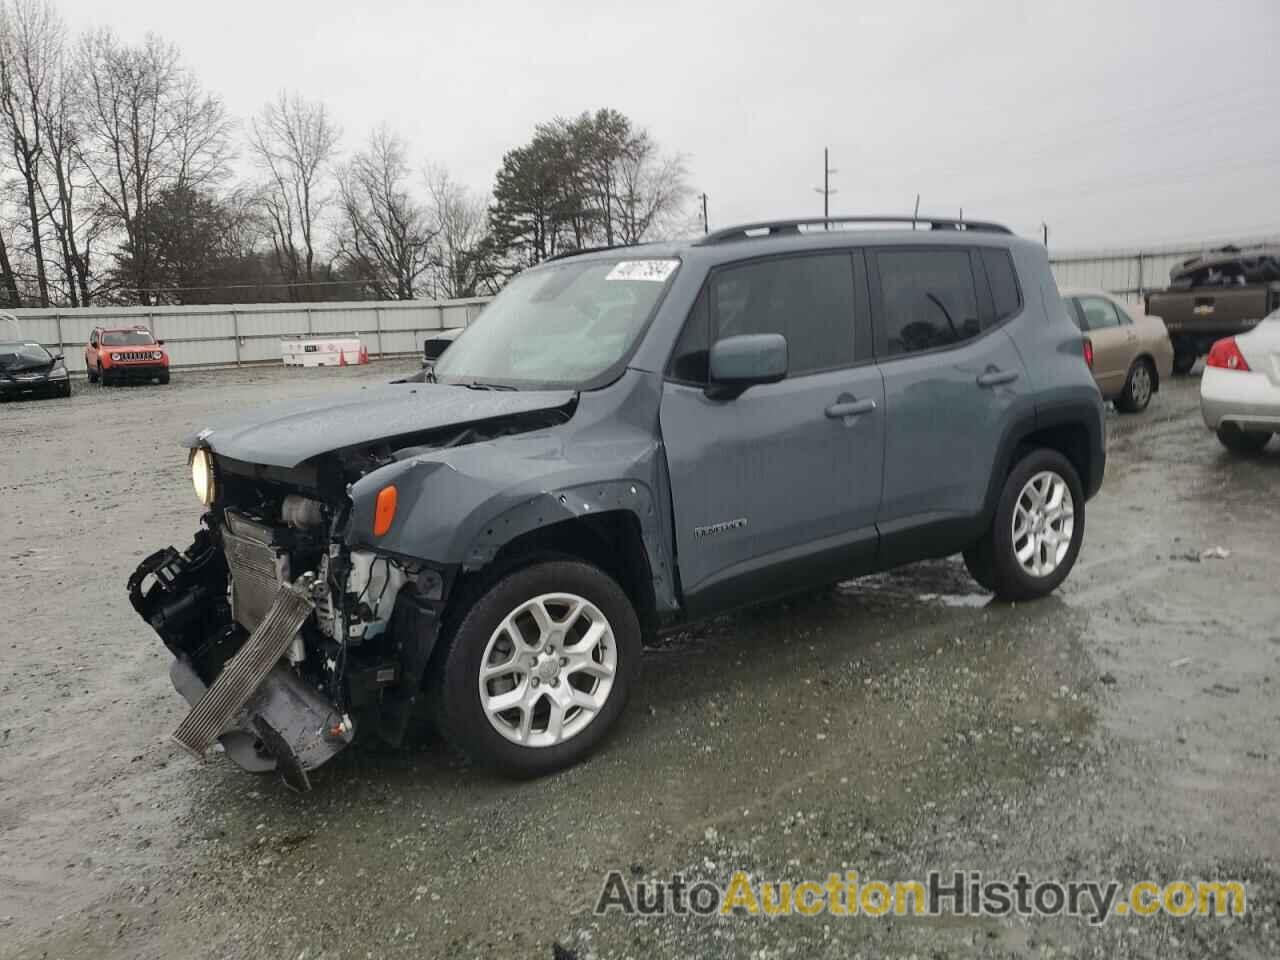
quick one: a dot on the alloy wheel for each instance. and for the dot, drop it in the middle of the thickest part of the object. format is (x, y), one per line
(1140, 385)
(1043, 522)
(548, 670)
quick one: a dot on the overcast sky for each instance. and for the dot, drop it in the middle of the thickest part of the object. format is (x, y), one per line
(1116, 123)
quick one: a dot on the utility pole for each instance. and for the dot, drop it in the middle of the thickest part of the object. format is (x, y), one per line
(825, 189)
(705, 227)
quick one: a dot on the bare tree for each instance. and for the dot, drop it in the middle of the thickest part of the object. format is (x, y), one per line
(385, 234)
(294, 142)
(463, 256)
(30, 47)
(63, 187)
(650, 189)
(9, 296)
(146, 128)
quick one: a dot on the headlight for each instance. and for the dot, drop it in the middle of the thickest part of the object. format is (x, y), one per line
(202, 475)
(115, 356)
(59, 372)
(157, 355)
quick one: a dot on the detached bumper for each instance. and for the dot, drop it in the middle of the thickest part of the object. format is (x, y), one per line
(286, 725)
(1245, 399)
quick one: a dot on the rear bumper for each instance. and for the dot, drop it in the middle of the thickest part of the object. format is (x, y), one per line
(1245, 399)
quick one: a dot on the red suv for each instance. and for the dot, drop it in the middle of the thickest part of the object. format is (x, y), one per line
(114, 354)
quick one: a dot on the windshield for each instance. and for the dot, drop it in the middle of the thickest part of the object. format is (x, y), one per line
(16, 355)
(127, 338)
(561, 325)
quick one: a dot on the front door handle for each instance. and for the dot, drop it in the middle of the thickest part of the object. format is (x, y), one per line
(993, 378)
(850, 408)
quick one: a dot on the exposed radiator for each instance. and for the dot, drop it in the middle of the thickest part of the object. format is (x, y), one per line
(256, 568)
(245, 671)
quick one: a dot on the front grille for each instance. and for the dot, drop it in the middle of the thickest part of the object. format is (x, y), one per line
(256, 569)
(135, 355)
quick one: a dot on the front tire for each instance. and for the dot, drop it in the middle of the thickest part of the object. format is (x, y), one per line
(1241, 441)
(94, 372)
(1038, 527)
(1138, 387)
(538, 668)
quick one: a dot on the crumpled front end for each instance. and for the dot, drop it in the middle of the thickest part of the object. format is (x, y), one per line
(286, 641)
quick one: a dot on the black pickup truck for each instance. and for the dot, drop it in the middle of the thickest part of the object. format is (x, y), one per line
(1216, 295)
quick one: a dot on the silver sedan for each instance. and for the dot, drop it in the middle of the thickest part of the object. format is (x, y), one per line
(1240, 389)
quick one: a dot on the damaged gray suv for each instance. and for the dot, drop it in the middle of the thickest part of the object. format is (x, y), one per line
(624, 441)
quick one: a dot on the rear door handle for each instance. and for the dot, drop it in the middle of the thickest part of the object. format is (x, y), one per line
(993, 378)
(850, 408)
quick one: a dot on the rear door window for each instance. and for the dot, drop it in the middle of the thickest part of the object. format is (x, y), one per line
(928, 300)
(1099, 314)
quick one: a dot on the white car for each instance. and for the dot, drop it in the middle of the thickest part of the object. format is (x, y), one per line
(1240, 389)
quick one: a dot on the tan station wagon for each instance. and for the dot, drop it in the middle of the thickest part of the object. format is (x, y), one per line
(1128, 351)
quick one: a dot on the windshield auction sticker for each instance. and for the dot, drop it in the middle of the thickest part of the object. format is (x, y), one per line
(654, 270)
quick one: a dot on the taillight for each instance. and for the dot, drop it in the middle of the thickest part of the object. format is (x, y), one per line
(1088, 352)
(1226, 354)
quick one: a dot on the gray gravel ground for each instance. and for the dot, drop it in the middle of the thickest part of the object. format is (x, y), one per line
(1126, 727)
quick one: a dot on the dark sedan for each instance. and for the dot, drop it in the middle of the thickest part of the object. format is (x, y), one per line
(29, 370)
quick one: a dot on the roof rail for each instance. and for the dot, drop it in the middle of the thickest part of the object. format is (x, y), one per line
(772, 228)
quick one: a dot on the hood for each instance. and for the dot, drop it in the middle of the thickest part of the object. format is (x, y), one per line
(287, 434)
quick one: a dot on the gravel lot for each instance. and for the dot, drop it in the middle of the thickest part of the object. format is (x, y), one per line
(1127, 727)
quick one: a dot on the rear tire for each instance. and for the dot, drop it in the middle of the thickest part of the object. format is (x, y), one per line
(528, 616)
(1037, 529)
(1247, 442)
(1138, 387)
(1183, 362)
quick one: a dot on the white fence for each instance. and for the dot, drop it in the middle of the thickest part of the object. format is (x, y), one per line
(1130, 274)
(251, 333)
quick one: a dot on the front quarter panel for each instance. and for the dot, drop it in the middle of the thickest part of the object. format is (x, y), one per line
(459, 506)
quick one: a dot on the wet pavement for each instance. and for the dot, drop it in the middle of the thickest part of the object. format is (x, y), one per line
(1126, 727)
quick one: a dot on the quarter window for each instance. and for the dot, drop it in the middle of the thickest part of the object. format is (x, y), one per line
(929, 299)
(1099, 314)
(1004, 282)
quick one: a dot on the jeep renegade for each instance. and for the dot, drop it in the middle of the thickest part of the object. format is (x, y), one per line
(625, 440)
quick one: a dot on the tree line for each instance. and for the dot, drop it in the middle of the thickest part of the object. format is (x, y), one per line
(124, 181)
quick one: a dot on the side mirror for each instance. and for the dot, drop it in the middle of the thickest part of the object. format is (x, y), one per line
(159, 343)
(743, 361)
(57, 358)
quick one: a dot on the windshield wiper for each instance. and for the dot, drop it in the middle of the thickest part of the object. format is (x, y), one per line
(480, 385)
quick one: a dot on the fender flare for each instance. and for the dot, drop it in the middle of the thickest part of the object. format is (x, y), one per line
(1084, 413)
(575, 502)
